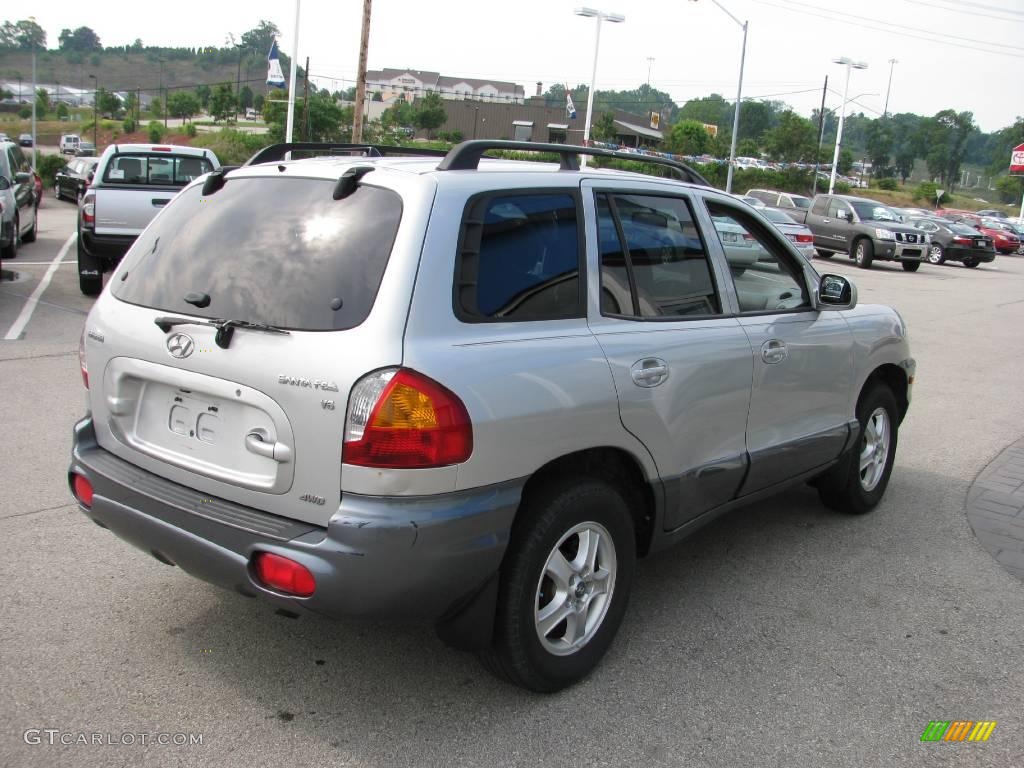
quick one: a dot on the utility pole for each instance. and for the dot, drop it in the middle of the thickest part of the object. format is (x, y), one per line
(885, 109)
(35, 99)
(364, 47)
(238, 84)
(305, 102)
(650, 63)
(821, 133)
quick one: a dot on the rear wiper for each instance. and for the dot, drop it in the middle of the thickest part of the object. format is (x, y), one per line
(225, 328)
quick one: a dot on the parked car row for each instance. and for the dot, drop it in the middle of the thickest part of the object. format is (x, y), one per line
(20, 192)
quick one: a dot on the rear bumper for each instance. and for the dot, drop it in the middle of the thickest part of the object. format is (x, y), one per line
(980, 255)
(415, 558)
(109, 247)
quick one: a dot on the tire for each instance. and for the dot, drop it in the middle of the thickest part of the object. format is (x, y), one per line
(546, 557)
(89, 284)
(11, 251)
(864, 253)
(971, 263)
(56, 191)
(936, 254)
(79, 194)
(30, 236)
(911, 266)
(857, 483)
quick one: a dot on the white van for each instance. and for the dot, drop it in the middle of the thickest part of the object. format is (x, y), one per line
(69, 143)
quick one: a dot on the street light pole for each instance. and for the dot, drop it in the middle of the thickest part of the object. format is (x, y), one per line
(739, 94)
(95, 113)
(615, 18)
(885, 110)
(850, 64)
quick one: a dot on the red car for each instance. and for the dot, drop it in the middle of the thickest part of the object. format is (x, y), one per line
(1003, 237)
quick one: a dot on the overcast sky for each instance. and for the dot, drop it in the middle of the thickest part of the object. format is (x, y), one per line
(968, 56)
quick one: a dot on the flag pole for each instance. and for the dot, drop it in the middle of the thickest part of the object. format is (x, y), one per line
(291, 80)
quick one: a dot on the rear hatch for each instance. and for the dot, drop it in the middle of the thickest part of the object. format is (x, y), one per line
(256, 417)
(136, 185)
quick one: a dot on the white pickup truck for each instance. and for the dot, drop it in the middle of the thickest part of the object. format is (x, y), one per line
(132, 183)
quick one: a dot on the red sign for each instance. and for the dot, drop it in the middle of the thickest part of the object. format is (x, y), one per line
(1017, 161)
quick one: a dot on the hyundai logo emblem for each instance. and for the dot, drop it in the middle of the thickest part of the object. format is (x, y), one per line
(180, 345)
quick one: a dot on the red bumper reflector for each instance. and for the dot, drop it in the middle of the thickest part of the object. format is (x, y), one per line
(83, 490)
(283, 574)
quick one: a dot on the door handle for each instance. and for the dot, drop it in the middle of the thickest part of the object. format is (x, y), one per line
(774, 351)
(160, 202)
(258, 442)
(649, 372)
(827, 221)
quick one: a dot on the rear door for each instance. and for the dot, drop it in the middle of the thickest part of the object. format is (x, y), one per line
(136, 186)
(681, 364)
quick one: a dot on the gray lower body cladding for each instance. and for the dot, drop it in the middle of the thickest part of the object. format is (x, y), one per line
(416, 558)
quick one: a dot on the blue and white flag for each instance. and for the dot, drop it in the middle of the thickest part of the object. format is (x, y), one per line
(275, 77)
(570, 109)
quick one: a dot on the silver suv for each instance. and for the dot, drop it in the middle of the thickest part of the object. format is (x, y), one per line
(469, 391)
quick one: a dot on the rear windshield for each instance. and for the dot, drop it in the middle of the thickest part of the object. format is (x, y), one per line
(961, 229)
(158, 170)
(801, 202)
(267, 250)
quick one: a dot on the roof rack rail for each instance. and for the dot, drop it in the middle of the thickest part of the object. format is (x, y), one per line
(277, 152)
(466, 157)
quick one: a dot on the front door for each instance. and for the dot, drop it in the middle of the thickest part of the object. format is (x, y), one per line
(680, 361)
(799, 408)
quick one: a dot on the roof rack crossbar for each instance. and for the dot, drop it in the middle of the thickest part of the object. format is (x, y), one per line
(466, 157)
(277, 152)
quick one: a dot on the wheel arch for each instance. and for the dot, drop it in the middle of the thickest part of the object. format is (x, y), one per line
(895, 378)
(613, 465)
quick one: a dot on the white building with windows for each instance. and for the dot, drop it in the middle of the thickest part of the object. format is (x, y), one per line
(410, 84)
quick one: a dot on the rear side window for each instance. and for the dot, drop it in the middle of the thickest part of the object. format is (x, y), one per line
(519, 259)
(653, 262)
(276, 251)
(820, 206)
(158, 170)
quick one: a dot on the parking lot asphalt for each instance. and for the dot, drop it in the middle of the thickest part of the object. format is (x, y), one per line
(781, 635)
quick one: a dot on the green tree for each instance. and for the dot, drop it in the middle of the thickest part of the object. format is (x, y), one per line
(398, 115)
(429, 113)
(183, 104)
(879, 146)
(1010, 188)
(203, 93)
(688, 137)
(108, 102)
(257, 102)
(845, 161)
(604, 128)
(25, 35)
(794, 139)
(156, 107)
(245, 97)
(747, 147)
(42, 101)
(222, 102)
(82, 39)
(62, 110)
(946, 136)
(712, 110)
(261, 37)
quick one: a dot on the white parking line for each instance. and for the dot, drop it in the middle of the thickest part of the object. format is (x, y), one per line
(33, 300)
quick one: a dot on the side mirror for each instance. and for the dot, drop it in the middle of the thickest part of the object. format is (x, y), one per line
(835, 292)
(22, 178)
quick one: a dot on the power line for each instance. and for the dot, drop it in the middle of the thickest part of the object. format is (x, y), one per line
(967, 11)
(882, 26)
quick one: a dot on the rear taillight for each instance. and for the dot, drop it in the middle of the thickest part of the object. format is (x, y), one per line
(283, 574)
(802, 238)
(82, 363)
(400, 419)
(82, 489)
(961, 240)
(89, 210)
